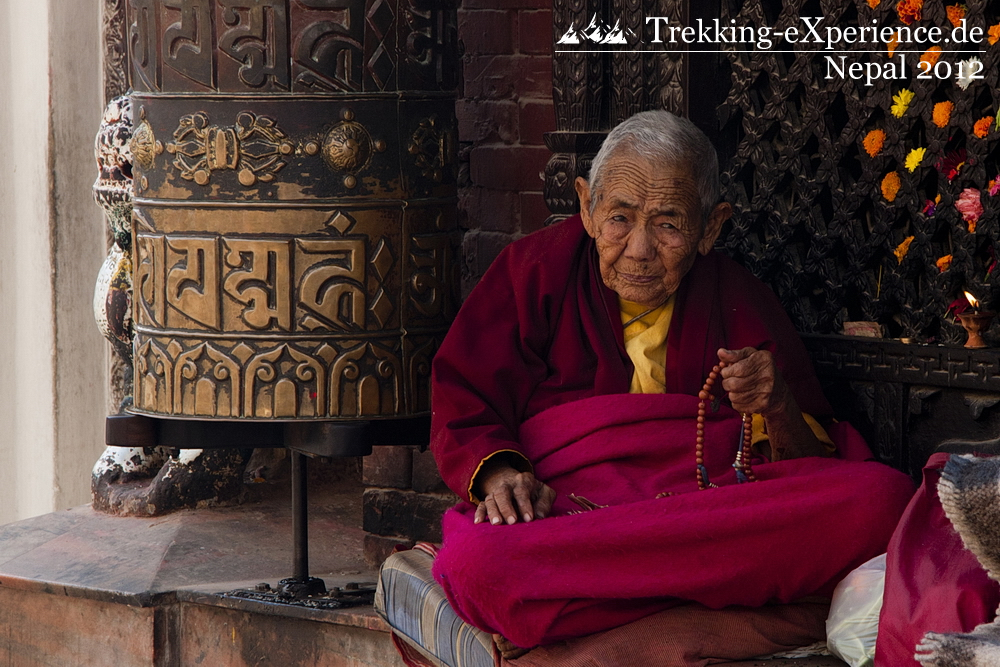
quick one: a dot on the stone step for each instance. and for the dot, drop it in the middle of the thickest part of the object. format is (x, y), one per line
(83, 588)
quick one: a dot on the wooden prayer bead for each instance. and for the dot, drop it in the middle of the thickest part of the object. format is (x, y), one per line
(743, 452)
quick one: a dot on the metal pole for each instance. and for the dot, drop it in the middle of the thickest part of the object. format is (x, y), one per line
(300, 517)
(300, 585)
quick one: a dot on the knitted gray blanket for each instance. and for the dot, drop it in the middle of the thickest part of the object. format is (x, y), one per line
(970, 495)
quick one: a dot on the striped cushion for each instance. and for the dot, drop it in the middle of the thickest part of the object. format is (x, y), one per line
(415, 606)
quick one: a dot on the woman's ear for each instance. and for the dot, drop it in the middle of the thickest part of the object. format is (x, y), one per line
(583, 194)
(722, 212)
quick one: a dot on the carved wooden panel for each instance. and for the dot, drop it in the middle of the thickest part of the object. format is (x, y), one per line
(841, 227)
(903, 397)
(116, 67)
(595, 87)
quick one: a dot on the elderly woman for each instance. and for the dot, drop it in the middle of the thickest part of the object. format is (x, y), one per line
(580, 407)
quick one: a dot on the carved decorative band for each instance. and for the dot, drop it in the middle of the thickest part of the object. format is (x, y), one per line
(875, 360)
(278, 379)
(279, 149)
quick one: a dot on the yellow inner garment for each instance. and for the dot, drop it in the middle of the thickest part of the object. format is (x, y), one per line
(646, 345)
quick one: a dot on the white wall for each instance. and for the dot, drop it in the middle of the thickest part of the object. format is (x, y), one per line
(52, 370)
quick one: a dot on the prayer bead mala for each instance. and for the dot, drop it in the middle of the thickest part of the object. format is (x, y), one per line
(744, 471)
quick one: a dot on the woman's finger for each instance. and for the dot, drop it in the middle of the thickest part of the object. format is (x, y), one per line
(544, 500)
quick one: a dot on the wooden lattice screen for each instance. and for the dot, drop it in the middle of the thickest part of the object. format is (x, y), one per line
(811, 216)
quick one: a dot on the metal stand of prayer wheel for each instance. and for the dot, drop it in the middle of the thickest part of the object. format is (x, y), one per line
(300, 584)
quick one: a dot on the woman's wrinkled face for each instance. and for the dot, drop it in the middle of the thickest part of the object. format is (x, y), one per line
(648, 225)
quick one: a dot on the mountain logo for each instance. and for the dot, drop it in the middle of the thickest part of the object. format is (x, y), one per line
(597, 32)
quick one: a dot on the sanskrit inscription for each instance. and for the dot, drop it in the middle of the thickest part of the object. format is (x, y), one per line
(432, 280)
(187, 39)
(215, 283)
(192, 283)
(256, 36)
(327, 50)
(258, 279)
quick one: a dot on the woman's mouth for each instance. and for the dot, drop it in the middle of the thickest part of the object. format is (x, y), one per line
(637, 279)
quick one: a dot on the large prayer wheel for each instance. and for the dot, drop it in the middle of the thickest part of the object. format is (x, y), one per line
(294, 214)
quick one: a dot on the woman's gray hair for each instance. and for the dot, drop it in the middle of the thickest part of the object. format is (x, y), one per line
(665, 140)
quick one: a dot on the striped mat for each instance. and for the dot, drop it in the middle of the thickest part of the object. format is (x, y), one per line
(416, 608)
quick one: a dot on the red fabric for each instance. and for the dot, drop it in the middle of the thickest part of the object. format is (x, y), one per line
(795, 533)
(689, 636)
(541, 329)
(411, 656)
(932, 582)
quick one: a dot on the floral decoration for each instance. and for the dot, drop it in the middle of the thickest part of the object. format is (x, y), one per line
(955, 14)
(893, 44)
(890, 186)
(971, 207)
(873, 142)
(942, 113)
(993, 187)
(959, 306)
(902, 249)
(930, 206)
(931, 56)
(874, 3)
(967, 68)
(909, 10)
(994, 33)
(943, 263)
(951, 164)
(901, 102)
(982, 127)
(915, 157)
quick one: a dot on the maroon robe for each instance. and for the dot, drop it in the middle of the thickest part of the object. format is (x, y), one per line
(542, 329)
(535, 363)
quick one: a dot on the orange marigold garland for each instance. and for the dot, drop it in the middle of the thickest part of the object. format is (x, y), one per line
(890, 186)
(874, 3)
(931, 56)
(893, 44)
(902, 249)
(909, 10)
(942, 113)
(955, 14)
(873, 142)
(982, 127)
(994, 33)
(943, 263)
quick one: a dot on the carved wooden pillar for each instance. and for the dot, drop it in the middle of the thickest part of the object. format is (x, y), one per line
(113, 191)
(595, 87)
